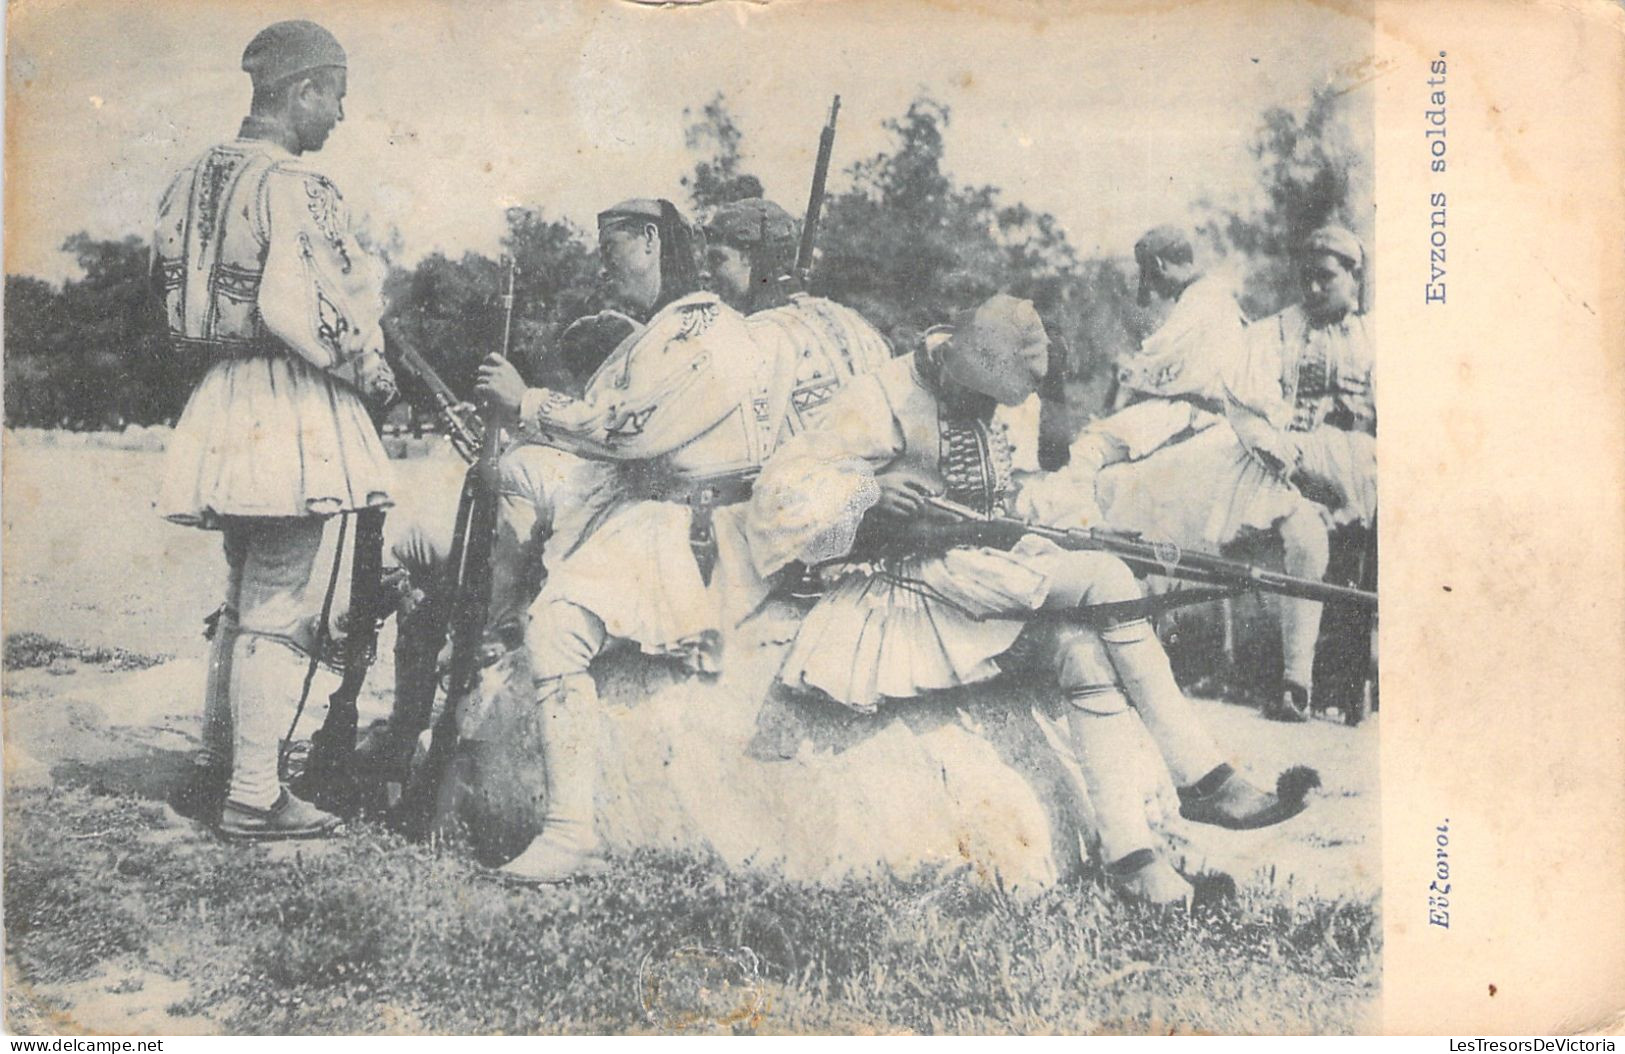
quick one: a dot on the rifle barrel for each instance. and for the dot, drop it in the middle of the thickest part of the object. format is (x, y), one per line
(1172, 561)
(815, 199)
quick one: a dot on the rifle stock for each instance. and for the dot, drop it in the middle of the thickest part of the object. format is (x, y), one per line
(471, 564)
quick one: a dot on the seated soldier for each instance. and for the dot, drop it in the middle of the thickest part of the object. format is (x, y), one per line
(750, 255)
(685, 412)
(541, 490)
(918, 611)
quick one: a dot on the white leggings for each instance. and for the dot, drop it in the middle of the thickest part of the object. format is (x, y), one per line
(250, 694)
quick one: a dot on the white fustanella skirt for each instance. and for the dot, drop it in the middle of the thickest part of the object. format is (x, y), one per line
(918, 624)
(271, 435)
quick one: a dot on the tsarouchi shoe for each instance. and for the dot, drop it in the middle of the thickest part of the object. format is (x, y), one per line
(288, 818)
(1222, 798)
(1147, 877)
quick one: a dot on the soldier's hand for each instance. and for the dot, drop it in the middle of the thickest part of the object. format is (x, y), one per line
(500, 386)
(376, 380)
(901, 497)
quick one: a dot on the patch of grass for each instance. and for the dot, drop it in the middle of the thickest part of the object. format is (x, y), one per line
(63, 921)
(371, 934)
(31, 651)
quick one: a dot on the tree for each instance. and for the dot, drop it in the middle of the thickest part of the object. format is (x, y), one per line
(1311, 171)
(96, 352)
(452, 309)
(718, 177)
(910, 248)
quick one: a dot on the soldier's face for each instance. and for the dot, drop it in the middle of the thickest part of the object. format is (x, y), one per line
(1331, 288)
(730, 270)
(318, 107)
(629, 266)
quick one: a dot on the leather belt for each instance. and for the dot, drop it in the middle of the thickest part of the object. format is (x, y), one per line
(702, 494)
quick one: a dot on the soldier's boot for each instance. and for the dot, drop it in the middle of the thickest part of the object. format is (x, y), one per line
(567, 846)
(1210, 790)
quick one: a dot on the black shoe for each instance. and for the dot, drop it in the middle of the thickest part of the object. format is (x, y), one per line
(1292, 707)
(1222, 798)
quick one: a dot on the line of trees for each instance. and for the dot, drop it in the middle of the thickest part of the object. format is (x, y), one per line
(902, 242)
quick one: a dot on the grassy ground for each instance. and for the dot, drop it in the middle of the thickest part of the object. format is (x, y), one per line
(369, 934)
(119, 917)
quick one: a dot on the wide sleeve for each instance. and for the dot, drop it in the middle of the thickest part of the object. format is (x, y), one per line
(814, 491)
(321, 293)
(660, 389)
(1255, 405)
(1140, 429)
(1188, 354)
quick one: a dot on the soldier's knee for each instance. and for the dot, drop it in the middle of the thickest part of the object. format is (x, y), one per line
(563, 639)
(1084, 672)
(525, 474)
(1117, 582)
(1304, 540)
(1099, 578)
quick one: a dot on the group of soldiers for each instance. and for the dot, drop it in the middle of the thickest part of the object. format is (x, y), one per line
(721, 436)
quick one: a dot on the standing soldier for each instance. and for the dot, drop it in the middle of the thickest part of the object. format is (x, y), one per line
(920, 611)
(1169, 467)
(260, 273)
(1303, 404)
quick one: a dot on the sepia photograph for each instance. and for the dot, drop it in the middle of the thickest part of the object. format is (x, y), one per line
(613, 518)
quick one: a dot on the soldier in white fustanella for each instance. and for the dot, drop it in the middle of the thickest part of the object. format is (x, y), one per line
(260, 273)
(919, 609)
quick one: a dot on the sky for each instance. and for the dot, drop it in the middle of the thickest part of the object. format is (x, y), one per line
(1115, 116)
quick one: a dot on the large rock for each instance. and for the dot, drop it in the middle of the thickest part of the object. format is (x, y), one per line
(766, 778)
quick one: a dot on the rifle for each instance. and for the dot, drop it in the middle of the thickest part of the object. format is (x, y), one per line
(1220, 576)
(471, 568)
(465, 435)
(329, 780)
(815, 200)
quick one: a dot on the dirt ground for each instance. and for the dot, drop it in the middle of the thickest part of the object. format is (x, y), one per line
(88, 563)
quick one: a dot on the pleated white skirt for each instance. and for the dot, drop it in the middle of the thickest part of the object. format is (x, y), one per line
(916, 625)
(271, 435)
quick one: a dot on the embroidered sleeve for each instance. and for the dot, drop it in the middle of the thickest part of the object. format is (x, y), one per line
(321, 294)
(658, 391)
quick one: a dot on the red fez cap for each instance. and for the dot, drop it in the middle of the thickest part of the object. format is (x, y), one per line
(283, 50)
